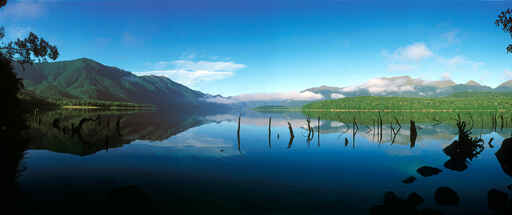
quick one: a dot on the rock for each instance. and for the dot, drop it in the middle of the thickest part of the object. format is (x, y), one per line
(509, 187)
(446, 196)
(390, 198)
(395, 205)
(409, 180)
(415, 199)
(458, 165)
(497, 200)
(427, 171)
(430, 211)
(504, 156)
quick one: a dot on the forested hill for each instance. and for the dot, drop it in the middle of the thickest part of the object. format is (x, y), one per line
(87, 79)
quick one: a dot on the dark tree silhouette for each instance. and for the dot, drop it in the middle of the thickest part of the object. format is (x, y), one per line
(12, 122)
(504, 21)
(22, 51)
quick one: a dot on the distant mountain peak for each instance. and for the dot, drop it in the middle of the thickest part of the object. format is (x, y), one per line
(506, 84)
(441, 83)
(473, 83)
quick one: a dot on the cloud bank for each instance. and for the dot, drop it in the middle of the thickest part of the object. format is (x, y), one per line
(382, 85)
(191, 72)
(415, 51)
(295, 96)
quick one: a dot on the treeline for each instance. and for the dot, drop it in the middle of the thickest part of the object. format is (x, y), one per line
(479, 102)
(32, 100)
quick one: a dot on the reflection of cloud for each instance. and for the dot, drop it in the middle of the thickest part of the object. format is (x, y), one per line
(337, 124)
(297, 96)
(188, 143)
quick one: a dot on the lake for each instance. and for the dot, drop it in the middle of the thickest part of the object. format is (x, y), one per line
(154, 162)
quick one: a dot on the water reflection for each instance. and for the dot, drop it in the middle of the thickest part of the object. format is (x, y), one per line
(504, 156)
(195, 160)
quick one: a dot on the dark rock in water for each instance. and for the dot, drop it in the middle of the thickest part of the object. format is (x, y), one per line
(390, 198)
(395, 205)
(222, 150)
(504, 156)
(430, 211)
(458, 165)
(415, 199)
(462, 151)
(427, 171)
(497, 200)
(446, 196)
(409, 180)
(509, 187)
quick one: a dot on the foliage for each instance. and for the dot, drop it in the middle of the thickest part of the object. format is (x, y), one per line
(483, 110)
(458, 102)
(85, 79)
(504, 21)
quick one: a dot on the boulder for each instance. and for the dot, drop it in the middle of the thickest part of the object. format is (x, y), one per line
(446, 196)
(504, 156)
(427, 171)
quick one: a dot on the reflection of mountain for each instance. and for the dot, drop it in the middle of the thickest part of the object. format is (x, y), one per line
(426, 131)
(54, 132)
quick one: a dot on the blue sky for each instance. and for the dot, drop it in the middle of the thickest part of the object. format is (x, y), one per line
(232, 47)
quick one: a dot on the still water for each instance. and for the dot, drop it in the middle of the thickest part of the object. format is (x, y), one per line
(160, 163)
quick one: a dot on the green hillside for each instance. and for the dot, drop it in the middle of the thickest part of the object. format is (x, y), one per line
(85, 79)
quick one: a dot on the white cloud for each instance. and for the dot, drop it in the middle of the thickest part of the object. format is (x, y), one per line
(188, 77)
(384, 85)
(401, 68)
(208, 65)
(337, 96)
(296, 96)
(192, 72)
(415, 51)
(461, 63)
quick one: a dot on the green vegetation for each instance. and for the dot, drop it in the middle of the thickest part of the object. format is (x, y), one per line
(85, 79)
(483, 110)
(456, 103)
(30, 101)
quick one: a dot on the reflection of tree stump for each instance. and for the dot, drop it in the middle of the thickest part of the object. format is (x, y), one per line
(56, 123)
(291, 130)
(413, 133)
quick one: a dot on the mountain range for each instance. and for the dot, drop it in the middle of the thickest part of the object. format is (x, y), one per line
(407, 87)
(87, 79)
